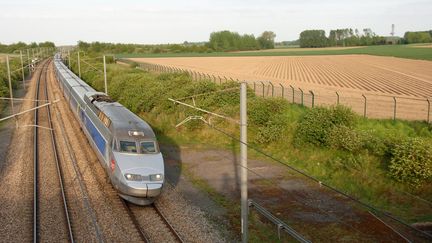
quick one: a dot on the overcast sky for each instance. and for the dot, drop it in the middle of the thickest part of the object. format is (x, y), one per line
(169, 21)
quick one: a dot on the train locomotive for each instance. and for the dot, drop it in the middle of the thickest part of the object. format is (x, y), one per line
(125, 145)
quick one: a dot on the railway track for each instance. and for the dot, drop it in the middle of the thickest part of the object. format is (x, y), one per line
(158, 229)
(51, 221)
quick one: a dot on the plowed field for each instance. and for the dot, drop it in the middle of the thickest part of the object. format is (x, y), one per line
(378, 78)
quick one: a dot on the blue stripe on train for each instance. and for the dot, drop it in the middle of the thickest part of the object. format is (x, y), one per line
(94, 133)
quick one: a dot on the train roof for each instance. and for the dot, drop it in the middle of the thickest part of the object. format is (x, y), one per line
(123, 120)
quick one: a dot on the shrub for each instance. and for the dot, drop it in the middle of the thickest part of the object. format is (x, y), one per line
(261, 110)
(411, 161)
(315, 126)
(344, 138)
(272, 130)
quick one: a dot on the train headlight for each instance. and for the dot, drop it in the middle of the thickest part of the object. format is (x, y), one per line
(133, 177)
(156, 177)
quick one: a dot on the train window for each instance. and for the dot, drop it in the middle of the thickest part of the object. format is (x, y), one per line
(148, 147)
(128, 147)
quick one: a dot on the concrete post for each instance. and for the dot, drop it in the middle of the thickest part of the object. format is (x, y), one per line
(10, 84)
(243, 159)
(79, 65)
(105, 76)
(22, 70)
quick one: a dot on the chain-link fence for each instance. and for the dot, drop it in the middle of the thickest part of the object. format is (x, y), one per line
(367, 105)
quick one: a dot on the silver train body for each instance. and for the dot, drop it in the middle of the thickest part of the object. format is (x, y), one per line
(125, 144)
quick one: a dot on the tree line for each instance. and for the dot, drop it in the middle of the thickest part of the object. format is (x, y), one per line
(218, 41)
(340, 37)
(418, 37)
(22, 46)
(350, 37)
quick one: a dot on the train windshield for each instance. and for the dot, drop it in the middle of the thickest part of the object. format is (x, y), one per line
(128, 147)
(148, 147)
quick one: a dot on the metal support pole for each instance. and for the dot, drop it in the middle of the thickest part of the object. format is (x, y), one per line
(428, 101)
(28, 61)
(10, 84)
(22, 70)
(243, 159)
(263, 88)
(313, 98)
(394, 109)
(79, 65)
(302, 93)
(365, 105)
(105, 76)
(69, 59)
(292, 93)
(283, 89)
(254, 87)
(337, 94)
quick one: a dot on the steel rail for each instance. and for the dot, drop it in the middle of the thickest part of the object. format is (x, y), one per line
(143, 235)
(167, 223)
(36, 222)
(56, 157)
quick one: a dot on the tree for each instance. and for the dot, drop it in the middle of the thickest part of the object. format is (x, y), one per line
(313, 38)
(266, 40)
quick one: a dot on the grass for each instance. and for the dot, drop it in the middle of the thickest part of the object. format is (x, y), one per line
(402, 51)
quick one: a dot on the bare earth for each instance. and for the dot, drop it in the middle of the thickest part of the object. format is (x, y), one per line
(378, 78)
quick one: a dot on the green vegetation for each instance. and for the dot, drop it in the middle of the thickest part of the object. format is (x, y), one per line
(412, 161)
(418, 37)
(346, 151)
(21, 46)
(402, 51)
(342, 37)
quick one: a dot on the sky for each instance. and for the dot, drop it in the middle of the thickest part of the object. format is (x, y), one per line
(169, 21)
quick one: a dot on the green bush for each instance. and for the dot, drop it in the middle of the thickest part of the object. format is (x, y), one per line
(272, 130)
(411, 161)
(316, 124)
(344, 138)
(261, 110)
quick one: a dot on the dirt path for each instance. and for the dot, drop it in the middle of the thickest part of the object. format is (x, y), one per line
(318, 214)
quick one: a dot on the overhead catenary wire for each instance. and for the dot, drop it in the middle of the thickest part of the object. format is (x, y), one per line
(323, 184)
(304, 173)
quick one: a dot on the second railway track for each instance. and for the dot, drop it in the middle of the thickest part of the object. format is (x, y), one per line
(51, 222)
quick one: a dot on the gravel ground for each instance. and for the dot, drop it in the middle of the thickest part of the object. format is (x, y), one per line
(189, 220)
(16, 179)
(52, 220)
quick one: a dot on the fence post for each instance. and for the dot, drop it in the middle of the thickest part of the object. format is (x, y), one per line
(301, 96)
(226, 80)
(263, 88)
(313, 98)
(254, 87)
(428, 101)
(337, 94)
(292, 93)
(394, 109)
(272, 88)
(214, 78)
(365, 105)
(283, 89)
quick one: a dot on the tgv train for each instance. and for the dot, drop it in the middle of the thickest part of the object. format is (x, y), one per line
(125, 144)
